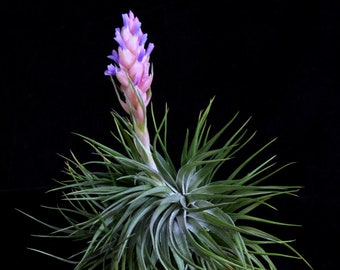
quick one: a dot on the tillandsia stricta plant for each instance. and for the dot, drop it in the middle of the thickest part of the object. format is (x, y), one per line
(133, 209)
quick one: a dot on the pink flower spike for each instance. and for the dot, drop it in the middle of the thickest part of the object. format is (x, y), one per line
(132, 60)
(131, 68)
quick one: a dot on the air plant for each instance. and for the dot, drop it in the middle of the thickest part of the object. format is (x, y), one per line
(134, 209)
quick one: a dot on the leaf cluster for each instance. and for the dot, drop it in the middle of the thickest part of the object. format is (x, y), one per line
(130, 216)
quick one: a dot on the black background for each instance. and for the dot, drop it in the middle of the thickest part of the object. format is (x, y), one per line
(275, 61)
